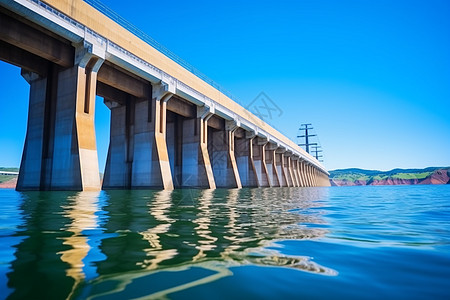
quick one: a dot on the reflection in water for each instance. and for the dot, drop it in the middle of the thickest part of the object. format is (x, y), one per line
(153, 243)
(159, 208)
(37, 265)
(80, 210)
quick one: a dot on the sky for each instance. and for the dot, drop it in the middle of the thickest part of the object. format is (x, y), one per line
(372, 77)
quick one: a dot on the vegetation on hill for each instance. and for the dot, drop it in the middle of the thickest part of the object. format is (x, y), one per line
(403, 176)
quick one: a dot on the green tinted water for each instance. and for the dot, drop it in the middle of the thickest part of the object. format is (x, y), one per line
(325, 243)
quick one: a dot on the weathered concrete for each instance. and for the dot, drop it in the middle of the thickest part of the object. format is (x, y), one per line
(270, 159)
(138, 156)
(244, 161)
(188, 151)
(286, 168)
(223, 161)
(60, 149)
(260, 162)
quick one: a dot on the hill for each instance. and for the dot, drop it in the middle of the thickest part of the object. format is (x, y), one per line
(354, 176)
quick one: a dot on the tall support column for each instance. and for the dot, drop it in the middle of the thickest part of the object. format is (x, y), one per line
(306, 174)
(300, 178)
(294, 161)
(270, 158)
(137, 155)
(205, 163)
(285, 169)
(32, 166)
(310, 179)
(293, 171)
(162, 94)
(279, 162)
(289, 169)
(223, 160)
(196, 169)
(231, 128)
(119, 162)
(300, 172)
(244, 159)
(61, 130)
(303, 173)
(260, 162)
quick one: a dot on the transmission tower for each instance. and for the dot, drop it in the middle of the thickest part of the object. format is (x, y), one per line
(307, 135)
(316, 150)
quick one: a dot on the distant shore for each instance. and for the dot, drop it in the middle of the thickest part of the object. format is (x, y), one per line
(355, 177)
(9, 184)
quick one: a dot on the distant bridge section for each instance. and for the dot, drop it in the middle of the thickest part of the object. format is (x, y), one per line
(169, 127)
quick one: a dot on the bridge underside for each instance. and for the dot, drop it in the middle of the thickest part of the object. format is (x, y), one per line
(158, 139)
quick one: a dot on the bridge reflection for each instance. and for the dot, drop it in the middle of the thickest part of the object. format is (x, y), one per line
(71, 241)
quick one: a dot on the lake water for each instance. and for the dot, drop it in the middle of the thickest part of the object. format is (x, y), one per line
(387, 242)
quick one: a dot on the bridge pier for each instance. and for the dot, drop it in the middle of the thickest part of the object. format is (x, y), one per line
(270, 159)
(60, 150)
(286, 169)
(294, 160)
(259, 161)
(190, 162)
(137, 155)
(221, 149)
(244, 160)
(279, 164)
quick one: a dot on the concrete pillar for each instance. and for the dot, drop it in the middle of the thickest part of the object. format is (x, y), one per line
(118, 168)
(300, 179)
(305, 172)
(196, 169)
(301, 166)
(279, 165)
(270, 158)
(310, 176)
(60, 150)
(244, 161)
(288, 169)
(221, 149)
(260, 162)
(294, 161)
(33, 162)
(137, 155)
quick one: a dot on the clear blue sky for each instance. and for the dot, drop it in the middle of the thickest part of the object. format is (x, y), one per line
(373, 77)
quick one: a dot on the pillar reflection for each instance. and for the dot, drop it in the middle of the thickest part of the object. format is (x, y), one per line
(80, 210)
(38, 269)
(206, 242)
(159, 208)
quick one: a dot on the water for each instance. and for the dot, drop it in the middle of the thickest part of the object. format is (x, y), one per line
(390, 242)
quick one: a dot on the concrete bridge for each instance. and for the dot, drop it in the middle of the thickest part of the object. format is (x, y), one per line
(169, 127)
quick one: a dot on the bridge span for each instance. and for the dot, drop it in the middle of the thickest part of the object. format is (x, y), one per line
(169, 127)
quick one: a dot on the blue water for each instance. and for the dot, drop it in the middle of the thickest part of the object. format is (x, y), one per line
(384, 242)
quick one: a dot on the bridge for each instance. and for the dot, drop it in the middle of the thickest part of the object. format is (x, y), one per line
(170, 126)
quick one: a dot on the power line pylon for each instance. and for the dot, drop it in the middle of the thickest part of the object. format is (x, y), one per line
(306, 127)
(316, 150)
